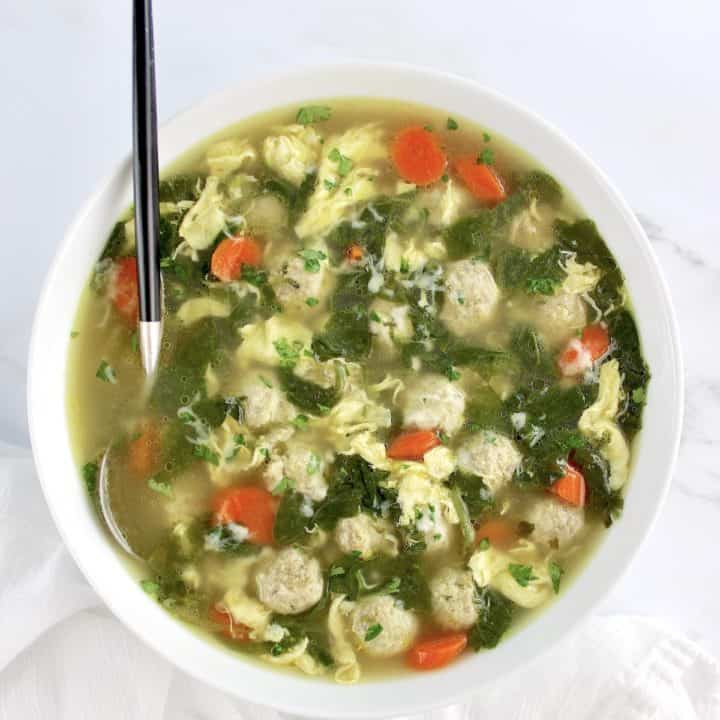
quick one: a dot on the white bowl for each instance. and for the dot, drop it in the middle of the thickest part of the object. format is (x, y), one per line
(656, 447)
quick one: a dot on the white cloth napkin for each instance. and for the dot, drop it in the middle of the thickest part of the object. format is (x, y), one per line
(63, 655)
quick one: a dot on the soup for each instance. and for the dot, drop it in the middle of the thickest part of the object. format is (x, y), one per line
(397, 395)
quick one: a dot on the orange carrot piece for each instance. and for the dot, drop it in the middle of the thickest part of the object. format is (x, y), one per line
(354, 253)
(247, 505)
(413, 445)
(144, 451)
(499, 532)
(596, 339)
(418, 156)
(231, 254)
(221, 617)
(575, 359)
(436, 651)
(571, 487)
(124, 288)
(481, 180)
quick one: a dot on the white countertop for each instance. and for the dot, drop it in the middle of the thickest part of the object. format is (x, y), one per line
(634, 84)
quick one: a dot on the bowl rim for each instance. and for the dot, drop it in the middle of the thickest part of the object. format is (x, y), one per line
(182, 647)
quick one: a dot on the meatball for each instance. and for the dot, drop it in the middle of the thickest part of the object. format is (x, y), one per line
(263, 405)
(453, 599)
(433, 402)
(554, 520)
(471, 296)
(358, 534)
(382, 627)
(294, 284)
(492, 456)
(290, 582)
(559, 317)
(303, 466)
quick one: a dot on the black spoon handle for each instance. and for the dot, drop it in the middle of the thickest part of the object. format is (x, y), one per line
(145, 163)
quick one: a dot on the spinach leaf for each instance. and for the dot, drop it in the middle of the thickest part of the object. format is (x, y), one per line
(602, 499)
(476, 495)
(399, 576)
(114, 243)
(530, 352)
(582, 237)
(307, 395)
(296, 198)
(291, 526)
(347, 332)
(354, 486)
(542, 186)
(494, 617)
(475, 234)
(517, 269)
(633, 368)
(486, 411)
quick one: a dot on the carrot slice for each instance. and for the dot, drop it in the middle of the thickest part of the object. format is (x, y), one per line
(354, 253)
(221, 617)
(413, 445)
(143, 452)
(437, 651)
(500, 533)
(596, 339)
(231, 254)
(418, 156)
(571, 487)
(124, 289)
(250, 506)
(481, 180)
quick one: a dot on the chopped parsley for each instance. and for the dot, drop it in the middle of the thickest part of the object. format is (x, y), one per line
(90, 476)
(311, 301)
(445, 177)
(392, 586)
(203, 452)
(312, 259)
(285, 484)
(404, 266)
(300, 422)
(486, 137)
(373, 631)
(106, 373)
(330, 185)
(74, 334)
(160, 486)
(267, 383)
(484, 544)
(639, 395)
(314, 463)
(348, 191)
(312, 114)
(150, 587)
(556, 573)
(486, 157)
(375, 317)
(523, 574)
(289, 352)
(344, 163)
(452, 124)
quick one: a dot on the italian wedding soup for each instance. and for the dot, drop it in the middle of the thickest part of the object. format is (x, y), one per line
(397, 395)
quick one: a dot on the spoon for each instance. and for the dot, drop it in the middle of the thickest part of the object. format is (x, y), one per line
(147, 224)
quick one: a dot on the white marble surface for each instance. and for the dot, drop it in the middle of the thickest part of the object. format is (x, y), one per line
(633, 83)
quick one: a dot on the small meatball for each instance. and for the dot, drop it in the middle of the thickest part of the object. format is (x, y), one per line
(290, 582)
(554, 520)
(303, 466)
(294, 284)
(559, 317)
(434, 403)
(491, 456)
(471, 296)
(358, 534)
(453, 599)
(263, 405)
(382, 627)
